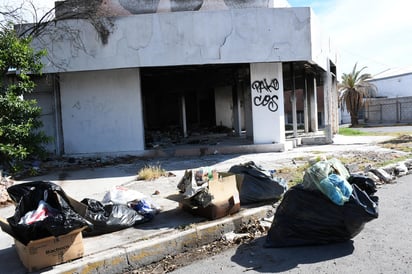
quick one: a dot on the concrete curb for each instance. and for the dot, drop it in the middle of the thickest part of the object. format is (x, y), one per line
(140, 253)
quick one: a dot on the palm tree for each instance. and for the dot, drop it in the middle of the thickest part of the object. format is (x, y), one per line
(353, 89)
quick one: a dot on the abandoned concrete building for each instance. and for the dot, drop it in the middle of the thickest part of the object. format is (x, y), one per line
(138, 73)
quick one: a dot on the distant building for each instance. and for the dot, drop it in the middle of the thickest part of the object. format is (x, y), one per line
(394, 83)
(394, 98)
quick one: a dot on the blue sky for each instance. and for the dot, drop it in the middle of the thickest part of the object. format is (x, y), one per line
(375, 34)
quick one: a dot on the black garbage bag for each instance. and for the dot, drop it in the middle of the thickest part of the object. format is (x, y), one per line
(308, 217)
(258, 185)
(108, 218)
(363, 182)
(60, 209)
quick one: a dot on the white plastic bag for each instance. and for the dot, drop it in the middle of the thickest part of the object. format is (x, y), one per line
(122, 195)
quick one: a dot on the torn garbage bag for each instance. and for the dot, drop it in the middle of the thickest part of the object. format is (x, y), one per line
(308, 217)
(58, 214)
(109, 217)
(257, 184)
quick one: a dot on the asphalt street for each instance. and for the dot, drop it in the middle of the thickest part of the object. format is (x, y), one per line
(383, 246)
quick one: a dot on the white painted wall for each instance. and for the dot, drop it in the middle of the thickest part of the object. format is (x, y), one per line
(102, 111)
(183, 38)
(267, 111)
(395, 86)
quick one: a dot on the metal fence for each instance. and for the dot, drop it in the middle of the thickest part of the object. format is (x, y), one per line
(389, 110)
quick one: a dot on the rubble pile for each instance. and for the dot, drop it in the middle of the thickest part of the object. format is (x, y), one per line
(4, 184)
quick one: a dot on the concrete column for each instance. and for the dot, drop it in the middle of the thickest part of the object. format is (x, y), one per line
(335, 105)
(184, 121)
(306, 105)
(327, 102)
(247, 102)
(313, 108)
(267, 103)
(293, 101)
(237, 114)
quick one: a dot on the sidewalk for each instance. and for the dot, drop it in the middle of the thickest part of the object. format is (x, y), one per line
(172, 230)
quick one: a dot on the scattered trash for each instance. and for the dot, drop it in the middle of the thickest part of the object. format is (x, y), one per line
(195, 189)
(217, 196)
(234, 237)
(5, 182)
(110, 217)
(329, 206)
(122, 195)
(256, 184)
(144, 208)
(365, 183)
(65, 215)
(185, 181)
(382, 175)
(136, 200)
(308, 217)
(43, 211)
(401, 169)
(329, 176)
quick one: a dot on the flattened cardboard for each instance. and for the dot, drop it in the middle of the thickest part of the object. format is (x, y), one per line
(225, 199)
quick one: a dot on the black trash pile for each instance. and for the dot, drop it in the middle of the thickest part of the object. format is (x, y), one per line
(194, 187)
(255, 185)
(329, 206)
(43, 209)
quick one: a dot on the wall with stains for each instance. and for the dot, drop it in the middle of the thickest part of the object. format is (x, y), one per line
(101, 112)
(131, 7)
(181, 38)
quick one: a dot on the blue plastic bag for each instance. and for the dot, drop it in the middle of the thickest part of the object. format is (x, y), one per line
(336, 188)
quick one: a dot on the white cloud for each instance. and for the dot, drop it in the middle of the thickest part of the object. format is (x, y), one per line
(375, 34)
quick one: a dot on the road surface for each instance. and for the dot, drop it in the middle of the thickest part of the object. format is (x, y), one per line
(383, 246)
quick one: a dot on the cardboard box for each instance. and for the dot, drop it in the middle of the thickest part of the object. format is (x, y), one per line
(48, 251)
(225, 198)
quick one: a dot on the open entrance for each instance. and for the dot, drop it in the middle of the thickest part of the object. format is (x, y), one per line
(183, 104)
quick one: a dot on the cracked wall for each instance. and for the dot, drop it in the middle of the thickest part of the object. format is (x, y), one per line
(184, 38)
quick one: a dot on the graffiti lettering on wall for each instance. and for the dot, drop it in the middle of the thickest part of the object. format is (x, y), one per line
(268, 100)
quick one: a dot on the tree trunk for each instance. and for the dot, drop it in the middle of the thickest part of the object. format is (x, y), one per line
(354, 119)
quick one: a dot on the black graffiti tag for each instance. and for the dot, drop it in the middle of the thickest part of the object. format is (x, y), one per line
(263, 85)
(266, 100)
